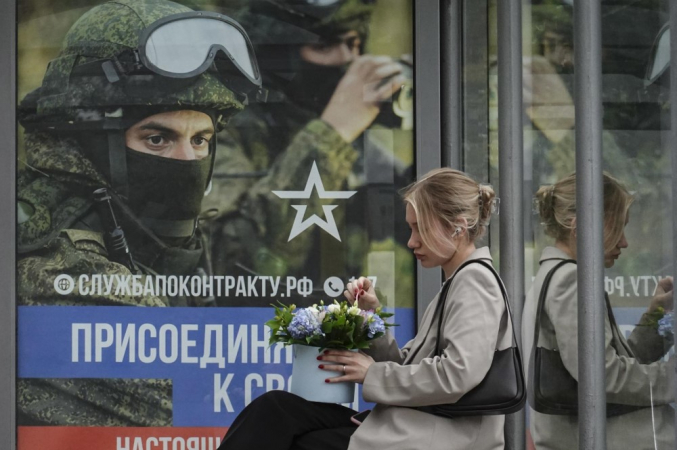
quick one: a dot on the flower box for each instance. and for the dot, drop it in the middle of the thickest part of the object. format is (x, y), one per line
(318, 327)
(307, 379)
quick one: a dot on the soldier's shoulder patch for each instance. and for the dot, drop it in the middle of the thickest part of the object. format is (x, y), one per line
(33, 225)
(86, 240)
(44, 207)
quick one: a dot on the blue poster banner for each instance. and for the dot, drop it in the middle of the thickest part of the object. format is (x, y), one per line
(217, 358)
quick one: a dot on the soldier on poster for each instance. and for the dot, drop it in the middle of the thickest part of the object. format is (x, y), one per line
(333, 116)
(120, 147)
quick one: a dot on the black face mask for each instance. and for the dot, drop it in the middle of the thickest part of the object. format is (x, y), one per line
(313, 85)
(166, 193)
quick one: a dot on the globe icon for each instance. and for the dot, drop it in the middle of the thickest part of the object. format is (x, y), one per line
(64, 284)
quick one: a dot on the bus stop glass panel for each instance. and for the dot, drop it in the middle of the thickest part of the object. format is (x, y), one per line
(240, 174)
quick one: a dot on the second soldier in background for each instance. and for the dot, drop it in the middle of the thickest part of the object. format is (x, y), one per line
(327, 107)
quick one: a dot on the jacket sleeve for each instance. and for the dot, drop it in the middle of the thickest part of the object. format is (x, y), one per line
(317, 142)
(76, 253)
(385, 349)
(94, 402)
(470, 331)
(645, 342)
(628, 381)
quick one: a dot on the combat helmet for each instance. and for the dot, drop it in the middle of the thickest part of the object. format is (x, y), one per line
(105, 64)
(279, 27)
(127, 59)
(325, 18)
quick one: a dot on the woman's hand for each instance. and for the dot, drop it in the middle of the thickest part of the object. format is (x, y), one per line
(362, 289)
(352, 366)
(663, 296)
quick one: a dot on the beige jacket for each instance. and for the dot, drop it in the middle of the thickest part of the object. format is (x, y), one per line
(474, 327)
(634, 370)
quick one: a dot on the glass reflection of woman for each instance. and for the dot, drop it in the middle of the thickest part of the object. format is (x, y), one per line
(635, 372)
(447, 212)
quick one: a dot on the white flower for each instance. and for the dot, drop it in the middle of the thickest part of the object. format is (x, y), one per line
(317, 311)
(334, 308)
(353, 310)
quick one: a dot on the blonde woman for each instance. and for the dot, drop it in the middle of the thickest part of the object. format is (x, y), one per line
(447, 212)
(635, 374)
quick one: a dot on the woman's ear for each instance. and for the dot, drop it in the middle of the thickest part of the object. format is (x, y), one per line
(464, 223)
(460, 227)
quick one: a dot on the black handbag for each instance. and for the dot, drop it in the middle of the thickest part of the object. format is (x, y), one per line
(552, 389)
(502, 391)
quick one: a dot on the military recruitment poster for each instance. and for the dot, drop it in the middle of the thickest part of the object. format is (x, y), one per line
(183, 166)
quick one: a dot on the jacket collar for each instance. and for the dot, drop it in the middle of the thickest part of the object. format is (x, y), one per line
(552, 253)
(479, 253)
(62, 159)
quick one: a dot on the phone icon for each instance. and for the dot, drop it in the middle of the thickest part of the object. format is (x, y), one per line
(333, 286)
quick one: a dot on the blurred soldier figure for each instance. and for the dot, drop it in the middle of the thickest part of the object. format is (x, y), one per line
(630, 104)
(323, 95)
(129, 113)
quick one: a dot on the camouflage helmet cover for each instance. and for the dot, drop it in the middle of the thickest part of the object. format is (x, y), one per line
(555, 16)
(107, 31)
(304, 22)
(352, 15)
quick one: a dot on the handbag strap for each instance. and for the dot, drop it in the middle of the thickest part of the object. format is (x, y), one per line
(543, 294)
(614, 326)
(443, 299)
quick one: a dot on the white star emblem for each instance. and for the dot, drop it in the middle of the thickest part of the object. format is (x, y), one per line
(301, 225)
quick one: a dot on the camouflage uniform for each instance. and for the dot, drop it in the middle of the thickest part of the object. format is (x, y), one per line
(59, 231)
(59, 234)
(52, 241)
(272, 147)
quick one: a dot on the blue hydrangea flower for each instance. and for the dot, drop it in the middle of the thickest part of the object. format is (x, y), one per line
(665, 325)
(305, 324)
(376, 325)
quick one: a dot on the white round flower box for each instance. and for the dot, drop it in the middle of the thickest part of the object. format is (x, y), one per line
(307, 379)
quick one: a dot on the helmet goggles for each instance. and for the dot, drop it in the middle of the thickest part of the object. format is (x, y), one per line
(180, 47)
(659, 59)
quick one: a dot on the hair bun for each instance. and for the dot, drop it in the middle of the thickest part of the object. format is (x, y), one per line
(486, 203)
(445, 199)
(545, 196)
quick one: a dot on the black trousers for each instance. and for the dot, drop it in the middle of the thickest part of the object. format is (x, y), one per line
(278, 420)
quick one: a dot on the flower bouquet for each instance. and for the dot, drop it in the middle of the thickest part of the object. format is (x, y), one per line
(661, 320)
(665, 325)
(315, 328)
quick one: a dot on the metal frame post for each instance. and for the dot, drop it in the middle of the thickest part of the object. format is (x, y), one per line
(428, 136)
(451, 57)
(673, 151)
(589, 226)
(7, 226)
(475, 88)
(511, 168)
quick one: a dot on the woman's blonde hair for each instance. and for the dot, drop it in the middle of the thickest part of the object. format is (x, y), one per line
(442, 199)
(557, 208)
